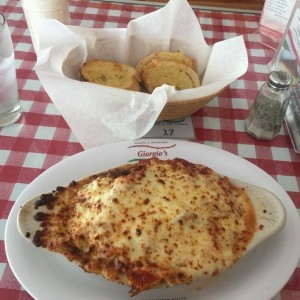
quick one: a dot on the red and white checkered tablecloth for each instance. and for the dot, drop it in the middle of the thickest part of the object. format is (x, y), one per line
(42, 138)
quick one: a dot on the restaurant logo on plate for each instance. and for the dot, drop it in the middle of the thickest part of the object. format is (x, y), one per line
(145, 150)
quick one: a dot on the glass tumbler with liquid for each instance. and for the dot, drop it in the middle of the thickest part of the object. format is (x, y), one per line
(10, 109)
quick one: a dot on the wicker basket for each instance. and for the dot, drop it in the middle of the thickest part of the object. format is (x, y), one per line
(179, 109)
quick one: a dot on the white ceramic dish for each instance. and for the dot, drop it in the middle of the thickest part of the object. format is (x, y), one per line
(270, 214)
(258, 275)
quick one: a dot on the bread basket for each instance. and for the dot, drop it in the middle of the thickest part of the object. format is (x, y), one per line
(183, 108)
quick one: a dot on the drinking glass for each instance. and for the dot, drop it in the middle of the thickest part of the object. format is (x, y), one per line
(43, 9)
(10, 108)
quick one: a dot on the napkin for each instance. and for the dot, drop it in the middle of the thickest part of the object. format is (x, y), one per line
(99, 114)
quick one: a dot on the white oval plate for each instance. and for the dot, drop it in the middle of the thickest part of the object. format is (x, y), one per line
(258, 275)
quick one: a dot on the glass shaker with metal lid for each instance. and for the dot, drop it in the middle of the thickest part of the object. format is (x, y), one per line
(268, 110)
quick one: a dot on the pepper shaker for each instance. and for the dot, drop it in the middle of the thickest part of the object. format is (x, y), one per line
(268, 110)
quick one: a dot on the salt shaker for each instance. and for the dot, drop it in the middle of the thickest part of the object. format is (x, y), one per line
(268, 110)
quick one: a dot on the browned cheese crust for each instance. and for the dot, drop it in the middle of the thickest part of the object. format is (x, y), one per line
(149, 224)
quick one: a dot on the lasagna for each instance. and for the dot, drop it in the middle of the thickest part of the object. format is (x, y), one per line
(148, 224)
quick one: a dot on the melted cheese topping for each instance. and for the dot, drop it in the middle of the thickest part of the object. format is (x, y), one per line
(150, 223)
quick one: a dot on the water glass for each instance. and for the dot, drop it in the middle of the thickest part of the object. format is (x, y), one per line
(10, 108)
(35, 10)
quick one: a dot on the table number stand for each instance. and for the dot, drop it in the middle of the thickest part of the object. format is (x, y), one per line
(274, 18)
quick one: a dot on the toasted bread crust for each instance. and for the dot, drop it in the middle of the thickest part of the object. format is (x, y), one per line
(157, 73)
(179, 57)
(110, 73)
(164, 67)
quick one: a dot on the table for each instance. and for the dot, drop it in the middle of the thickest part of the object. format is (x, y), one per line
(232, 4)
(42, 138)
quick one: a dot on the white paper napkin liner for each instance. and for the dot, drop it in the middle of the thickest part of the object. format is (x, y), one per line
(171, 28)
(98, 122)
